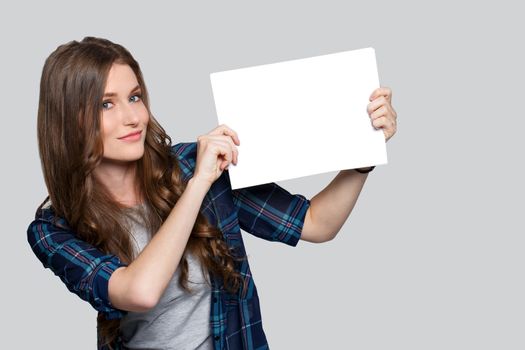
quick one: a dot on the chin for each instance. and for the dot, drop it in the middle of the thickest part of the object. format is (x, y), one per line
(133, 156)
(124, 152)
(125, 156)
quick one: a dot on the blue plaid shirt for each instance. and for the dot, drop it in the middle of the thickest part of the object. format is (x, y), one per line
(267, 211)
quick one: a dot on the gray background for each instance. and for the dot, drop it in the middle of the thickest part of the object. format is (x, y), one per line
(432, 255)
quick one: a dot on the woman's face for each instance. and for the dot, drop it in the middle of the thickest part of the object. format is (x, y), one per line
(123, 112)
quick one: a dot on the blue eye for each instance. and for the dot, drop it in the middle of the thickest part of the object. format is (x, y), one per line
(104, 104)
(138, 97)
(134, 98)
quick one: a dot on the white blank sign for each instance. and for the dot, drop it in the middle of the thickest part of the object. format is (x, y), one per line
(300, 117)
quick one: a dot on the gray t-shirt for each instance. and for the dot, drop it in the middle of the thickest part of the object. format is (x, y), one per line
(180, 320)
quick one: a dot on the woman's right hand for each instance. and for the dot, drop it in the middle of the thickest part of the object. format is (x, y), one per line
(215, 151)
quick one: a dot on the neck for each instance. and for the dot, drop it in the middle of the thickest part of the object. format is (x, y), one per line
(120, 179)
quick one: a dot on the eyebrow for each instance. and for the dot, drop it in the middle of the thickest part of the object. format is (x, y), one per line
(111, 94)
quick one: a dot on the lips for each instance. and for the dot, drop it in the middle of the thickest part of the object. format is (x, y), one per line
(130, 135)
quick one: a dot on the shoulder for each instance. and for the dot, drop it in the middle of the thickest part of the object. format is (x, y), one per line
(45, 214)
(186, 154)
(185, 150)
(48, 233)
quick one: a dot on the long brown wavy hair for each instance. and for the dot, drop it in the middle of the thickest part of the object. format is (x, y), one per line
(71, 147)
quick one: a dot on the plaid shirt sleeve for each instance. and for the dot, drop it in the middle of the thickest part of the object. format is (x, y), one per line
(270, 212)
(84, 269)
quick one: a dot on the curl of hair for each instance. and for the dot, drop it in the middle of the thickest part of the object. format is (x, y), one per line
(71, 147)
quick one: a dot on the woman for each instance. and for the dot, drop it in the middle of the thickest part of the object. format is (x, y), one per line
(131, 221)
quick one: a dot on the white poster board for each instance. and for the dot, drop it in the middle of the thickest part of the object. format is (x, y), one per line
(300, 117)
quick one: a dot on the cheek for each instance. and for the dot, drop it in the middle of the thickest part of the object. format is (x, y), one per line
(106, 135)
(108, 127)
(145, 115)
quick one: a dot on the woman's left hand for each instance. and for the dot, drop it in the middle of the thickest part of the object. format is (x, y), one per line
(381, 111)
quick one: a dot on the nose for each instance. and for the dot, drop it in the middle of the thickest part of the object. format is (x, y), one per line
(130, 115)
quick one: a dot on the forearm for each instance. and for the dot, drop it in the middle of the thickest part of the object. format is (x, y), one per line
(147, 277)
(331, 207)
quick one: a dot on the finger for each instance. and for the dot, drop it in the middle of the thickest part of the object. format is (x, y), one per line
(220, 146)
(230, 132)
(223, 129)
(229, 141)
(381, 91)
(234, 150)
(382, 123)
(229, 149)
(223, 152)
(375, 104)
(378, 113)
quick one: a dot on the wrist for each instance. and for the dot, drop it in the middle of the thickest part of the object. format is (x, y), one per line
(199, 184)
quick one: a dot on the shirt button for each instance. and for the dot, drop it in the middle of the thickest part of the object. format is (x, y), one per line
(217, 337)
(214, 299)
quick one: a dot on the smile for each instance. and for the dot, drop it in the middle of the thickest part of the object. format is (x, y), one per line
(132, 137)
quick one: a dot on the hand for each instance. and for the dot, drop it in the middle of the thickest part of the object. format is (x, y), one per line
(215, 151)
(381, 111)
